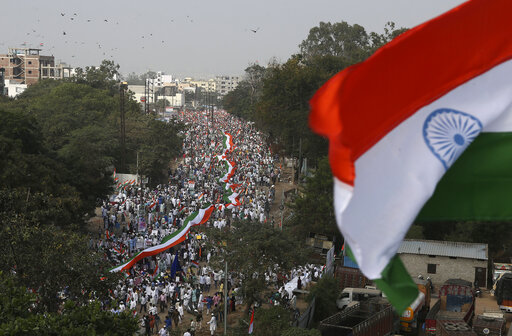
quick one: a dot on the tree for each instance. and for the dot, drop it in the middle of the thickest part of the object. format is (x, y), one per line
(337, 39)
(158, 145)
(19, 315)
(325, 293)
(313, 208)
(106, 76)
(271, 321)
(47, 258)
(242, 101)
(253, 248)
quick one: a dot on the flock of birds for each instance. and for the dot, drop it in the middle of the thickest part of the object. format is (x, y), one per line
(68, 39)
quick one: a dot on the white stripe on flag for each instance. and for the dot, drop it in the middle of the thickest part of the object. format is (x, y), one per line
(398, 174)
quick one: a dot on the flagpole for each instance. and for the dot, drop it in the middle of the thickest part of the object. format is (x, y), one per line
(226, 299)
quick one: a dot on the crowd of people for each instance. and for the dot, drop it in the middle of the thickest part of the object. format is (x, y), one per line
(180, 279)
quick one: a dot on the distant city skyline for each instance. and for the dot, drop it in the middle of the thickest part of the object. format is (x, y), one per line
(196, 38)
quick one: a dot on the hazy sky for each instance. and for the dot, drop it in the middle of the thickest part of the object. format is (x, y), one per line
(194, 37)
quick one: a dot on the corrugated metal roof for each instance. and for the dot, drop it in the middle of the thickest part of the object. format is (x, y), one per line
(444, 248)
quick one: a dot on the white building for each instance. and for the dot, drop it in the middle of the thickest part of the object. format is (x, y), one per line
(13, 87)
(162, 79)
(177, 100)
(443, 260)
(138, 91)
(225, 84)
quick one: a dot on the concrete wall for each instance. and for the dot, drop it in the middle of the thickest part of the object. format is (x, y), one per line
(446, 268)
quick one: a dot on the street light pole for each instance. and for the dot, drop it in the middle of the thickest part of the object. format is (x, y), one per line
(122, 88)
(226, 299)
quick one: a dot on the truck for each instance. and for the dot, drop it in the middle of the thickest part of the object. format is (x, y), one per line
(486, 325)
(349, 295)
(456, 302)
(454, 328)
(350, 277)
(500, 266)
(425, 286)
(413, 316)
(503, 292)
(374, 317)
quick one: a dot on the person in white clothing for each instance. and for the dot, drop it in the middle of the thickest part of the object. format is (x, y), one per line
(213, 324)
(163, 332)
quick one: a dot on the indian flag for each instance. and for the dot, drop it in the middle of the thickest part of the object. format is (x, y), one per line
(251, 324)
(197, 218)
(397, 123)
(229, 167)
(200, 197)
(227, 141)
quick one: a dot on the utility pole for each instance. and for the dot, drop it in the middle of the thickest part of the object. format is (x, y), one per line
(146, 98)
(226, 299)
(300, 161)
(122, 88)
(2, 81)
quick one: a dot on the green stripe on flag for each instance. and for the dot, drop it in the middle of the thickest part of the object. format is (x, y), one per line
(478, 185)
(395, 283)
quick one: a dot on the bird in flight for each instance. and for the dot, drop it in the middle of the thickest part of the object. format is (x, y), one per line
(255, 30)
(63, 33)
(62, 14)
(88, 20)
(105, 20)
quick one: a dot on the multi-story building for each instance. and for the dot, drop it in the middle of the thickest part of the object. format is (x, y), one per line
(225, 84)
(206, 85)
(28, 66)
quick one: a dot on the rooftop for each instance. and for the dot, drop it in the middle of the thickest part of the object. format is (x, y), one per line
(444, 248)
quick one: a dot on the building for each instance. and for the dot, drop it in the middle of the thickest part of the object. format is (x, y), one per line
(225, 84)
(14, 87)
(28, 66)
(139, 92)
(443, 260)
(177, 100)
(206, 85)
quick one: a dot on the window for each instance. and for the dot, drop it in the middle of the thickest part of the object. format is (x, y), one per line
(431, 268)
(431, 256)
(453, 257)
(30, 71)
(29, 62)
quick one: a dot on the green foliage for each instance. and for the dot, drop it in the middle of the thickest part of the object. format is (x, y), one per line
(134, 79)
(19, 315)
(337, 39)
(472, 232)
(241, 101)
(313, 208)
(271, 321)
(301, 332)
(63, 138)
(49, 259)
(277, 97)
(251, 248)
(106, 76)
(157, 146)
(415, 232)
(326, 291)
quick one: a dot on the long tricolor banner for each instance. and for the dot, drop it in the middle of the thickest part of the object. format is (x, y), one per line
(196, 218)
(229, 166)
(227, 142)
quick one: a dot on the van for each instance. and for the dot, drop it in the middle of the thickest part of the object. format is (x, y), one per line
(349, 295)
